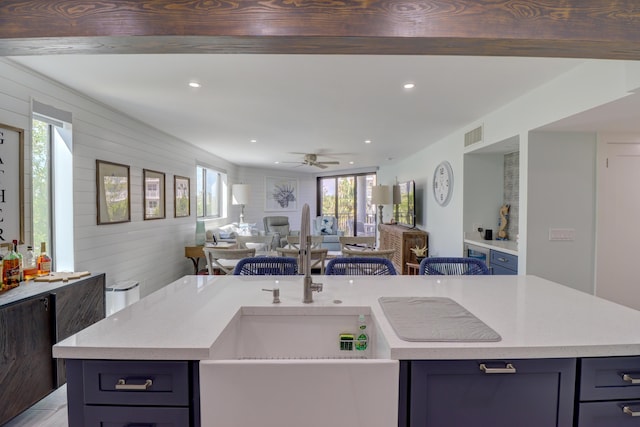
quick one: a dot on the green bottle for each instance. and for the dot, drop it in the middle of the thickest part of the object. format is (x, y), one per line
(362, 341)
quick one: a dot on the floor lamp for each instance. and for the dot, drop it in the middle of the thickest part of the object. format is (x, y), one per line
(240, 196)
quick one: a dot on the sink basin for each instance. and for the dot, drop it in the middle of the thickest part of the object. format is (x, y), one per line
(285, 366)
(295, 333)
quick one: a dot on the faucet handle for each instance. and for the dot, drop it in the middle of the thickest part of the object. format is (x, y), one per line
(276, 294)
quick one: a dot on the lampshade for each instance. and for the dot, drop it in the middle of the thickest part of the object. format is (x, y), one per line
(397, 197)
(240, 194)
(381, 195)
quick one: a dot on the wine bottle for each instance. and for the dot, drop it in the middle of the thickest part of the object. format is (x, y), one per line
(44, 262)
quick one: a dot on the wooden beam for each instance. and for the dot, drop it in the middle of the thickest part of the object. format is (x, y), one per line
(555, 28)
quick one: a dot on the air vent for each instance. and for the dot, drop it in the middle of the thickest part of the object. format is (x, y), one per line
(473, 136)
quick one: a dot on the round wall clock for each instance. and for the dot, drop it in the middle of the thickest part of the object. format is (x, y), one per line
(443, 183)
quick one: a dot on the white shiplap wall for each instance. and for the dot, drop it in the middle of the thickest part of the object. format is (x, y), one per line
(151, 252)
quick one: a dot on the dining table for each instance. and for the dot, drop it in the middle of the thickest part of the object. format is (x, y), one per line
(194, 253)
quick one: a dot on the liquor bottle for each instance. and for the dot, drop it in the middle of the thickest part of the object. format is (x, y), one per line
(11, 269)
(30, 267)
(21, 258)
(44, 262)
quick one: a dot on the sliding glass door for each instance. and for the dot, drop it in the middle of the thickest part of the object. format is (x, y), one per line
(348, 198)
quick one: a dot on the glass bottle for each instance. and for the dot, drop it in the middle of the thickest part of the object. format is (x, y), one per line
(44, 262)
(30, 267)
(11, 269)
(21, 258)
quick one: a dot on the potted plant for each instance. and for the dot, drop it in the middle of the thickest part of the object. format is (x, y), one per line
(419, 252)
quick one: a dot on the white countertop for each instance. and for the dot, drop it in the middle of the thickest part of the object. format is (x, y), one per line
(507, 246)
(535, 318)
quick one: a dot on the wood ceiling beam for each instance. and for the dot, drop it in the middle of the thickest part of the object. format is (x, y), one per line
(553, 28)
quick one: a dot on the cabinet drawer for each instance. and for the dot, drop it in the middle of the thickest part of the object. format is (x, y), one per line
(169, 383)
(127, 416)
(603, 378)
(498, 270)
(598, 414)
(502, 259)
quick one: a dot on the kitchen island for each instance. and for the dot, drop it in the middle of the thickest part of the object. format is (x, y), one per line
(557, 334)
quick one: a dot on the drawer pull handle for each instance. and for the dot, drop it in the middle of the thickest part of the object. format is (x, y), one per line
(508, 369)
(628, 378)
(502, 259)
(122, 385)
(627, 410)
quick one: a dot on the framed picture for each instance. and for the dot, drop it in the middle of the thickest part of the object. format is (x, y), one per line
(281, 194)
(182, 203)
(12, 183)
(153, 194)
(112, 192)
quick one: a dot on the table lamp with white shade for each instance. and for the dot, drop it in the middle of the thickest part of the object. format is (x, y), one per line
(381, 195)
(240, 196)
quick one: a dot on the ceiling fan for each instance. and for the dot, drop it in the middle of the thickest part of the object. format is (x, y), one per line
(311, 159)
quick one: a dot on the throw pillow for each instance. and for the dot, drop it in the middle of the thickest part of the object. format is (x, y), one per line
(326, 226)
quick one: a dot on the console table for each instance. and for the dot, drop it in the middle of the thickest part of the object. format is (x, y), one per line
(402, 239)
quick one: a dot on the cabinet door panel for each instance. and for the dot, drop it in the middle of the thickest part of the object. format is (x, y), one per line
(458, 393)
(26, 367)
(77, 306)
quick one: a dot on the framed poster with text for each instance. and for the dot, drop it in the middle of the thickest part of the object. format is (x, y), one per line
(11, 184)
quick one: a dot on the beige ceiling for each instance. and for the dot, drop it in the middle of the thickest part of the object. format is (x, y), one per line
(328, 104)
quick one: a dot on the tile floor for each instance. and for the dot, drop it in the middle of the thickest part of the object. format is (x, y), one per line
(49, 412)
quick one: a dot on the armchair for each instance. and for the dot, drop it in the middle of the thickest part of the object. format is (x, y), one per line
(277, 226)
(327, 227)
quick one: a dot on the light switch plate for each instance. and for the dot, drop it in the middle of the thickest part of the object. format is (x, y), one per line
(562, 234)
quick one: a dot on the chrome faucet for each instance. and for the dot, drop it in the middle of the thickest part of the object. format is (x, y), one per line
(308, 285)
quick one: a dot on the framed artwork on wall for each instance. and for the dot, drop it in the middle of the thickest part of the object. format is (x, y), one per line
(12, 184)
(281, 194)
(153, 191)
(182, 203)
(112, 193)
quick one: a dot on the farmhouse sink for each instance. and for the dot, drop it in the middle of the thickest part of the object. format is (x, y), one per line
(281, 366)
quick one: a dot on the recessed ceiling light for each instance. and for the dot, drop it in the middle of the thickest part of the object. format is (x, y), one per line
(351, 162)
(409, 85)
(367, 141)
(253, 140)
(276, 162)
(194, 84)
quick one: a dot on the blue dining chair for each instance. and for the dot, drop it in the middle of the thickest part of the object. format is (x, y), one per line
(266, 266)
(453, 266)
(360, 266)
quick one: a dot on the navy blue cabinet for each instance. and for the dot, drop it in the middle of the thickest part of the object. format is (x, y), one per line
(126, 393)
(462, 393)
(609, 392)
(503, 263)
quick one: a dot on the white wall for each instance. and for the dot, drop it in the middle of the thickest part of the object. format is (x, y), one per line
(255, 210)
(483, 191)
(442, 223)
(587, 86)
(562, 183)
(151, 252)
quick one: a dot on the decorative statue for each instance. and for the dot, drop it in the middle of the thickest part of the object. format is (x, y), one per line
(504, 219)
